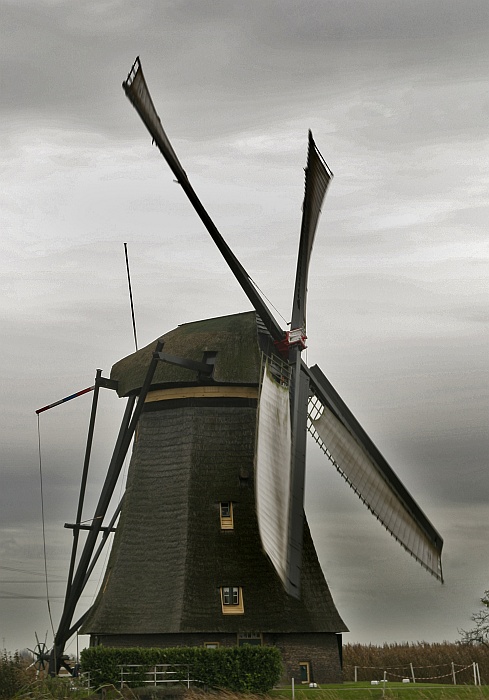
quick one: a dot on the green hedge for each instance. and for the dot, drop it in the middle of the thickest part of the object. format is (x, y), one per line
(252, 669)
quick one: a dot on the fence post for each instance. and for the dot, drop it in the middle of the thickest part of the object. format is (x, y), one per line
(478, 673)
(453, 674)
(475, 673)
(383, 684)
(356, 674)
(293, 689)
(412, 673)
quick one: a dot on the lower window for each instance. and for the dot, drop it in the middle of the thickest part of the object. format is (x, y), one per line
(251, 638)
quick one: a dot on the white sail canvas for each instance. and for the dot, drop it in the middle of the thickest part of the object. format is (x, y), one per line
(360, 471)
(272, 471)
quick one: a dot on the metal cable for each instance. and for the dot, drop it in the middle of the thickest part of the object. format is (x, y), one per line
(43, 525)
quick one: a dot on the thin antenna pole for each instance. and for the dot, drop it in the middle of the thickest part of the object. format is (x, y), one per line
(130, 297)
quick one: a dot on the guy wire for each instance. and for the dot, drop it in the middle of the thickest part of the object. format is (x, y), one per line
(130, 297)
(43, 526)
(267, 299)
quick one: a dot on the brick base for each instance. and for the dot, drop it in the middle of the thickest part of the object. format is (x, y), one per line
(321, 651)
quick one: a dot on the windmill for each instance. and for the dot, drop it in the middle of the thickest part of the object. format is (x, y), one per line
(212, 545)
(40, 655)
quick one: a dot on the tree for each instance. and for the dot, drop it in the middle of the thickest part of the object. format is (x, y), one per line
(479, 634)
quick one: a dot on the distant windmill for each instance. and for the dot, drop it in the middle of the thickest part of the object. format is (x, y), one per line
(40, 655)
(212, 545)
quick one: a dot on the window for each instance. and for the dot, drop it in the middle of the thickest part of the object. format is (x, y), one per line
(211, 645)
(232, 600)
(251, 638)
(226, 513)
(230, 596)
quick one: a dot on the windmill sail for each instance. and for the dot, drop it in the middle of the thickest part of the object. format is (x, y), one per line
(137, 91)
(318, 177)
(273, 487)
(363, 467)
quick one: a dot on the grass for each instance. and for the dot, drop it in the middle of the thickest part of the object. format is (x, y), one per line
(394, 691)
(56, 690)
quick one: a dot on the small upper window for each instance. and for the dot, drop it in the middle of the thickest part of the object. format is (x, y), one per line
(232, 600)
(230, 595)
(226, 513)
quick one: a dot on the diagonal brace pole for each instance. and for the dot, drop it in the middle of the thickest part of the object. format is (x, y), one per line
(126, 433)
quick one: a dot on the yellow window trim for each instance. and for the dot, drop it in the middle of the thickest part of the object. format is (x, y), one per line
(227, 522)
(232, 609)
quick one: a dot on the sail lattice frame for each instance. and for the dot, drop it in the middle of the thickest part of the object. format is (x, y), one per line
(361, 473)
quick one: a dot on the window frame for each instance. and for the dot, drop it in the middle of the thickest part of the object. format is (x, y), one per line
(232, 600)
(251, 638)
(227, 521)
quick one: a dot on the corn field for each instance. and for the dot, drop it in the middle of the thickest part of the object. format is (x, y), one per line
(435, 662)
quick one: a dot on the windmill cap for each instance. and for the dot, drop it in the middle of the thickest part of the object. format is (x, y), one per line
(233, 338)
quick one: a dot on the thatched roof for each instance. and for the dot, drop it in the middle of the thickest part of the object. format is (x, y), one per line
(234, 338)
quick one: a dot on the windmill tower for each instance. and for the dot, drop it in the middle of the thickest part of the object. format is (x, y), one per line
(212, 545)
(187, 565)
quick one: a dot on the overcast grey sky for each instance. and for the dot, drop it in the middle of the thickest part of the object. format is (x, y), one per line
(396, 94)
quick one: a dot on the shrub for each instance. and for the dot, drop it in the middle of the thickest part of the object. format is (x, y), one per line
(246, 669)
(431, 661)
(14, 674)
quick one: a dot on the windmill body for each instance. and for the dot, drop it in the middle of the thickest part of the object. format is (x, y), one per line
(188, 529)
(212, 545)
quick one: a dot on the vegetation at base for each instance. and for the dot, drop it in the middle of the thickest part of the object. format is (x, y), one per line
(57, 688)
(393, 691)
(346, 692)
(251, 669)
(66, 689)
(14, 674)
(230, 667)
(432, 662)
